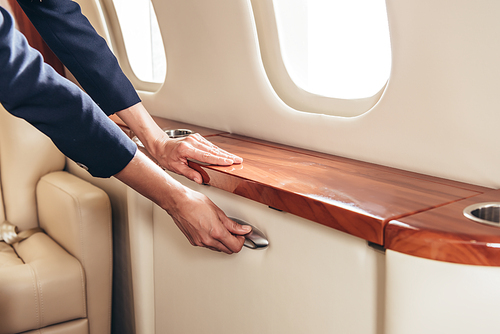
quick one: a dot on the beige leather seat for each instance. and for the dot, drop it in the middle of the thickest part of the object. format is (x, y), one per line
(58, 281)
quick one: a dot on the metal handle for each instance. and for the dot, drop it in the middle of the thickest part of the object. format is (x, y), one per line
(255, 239)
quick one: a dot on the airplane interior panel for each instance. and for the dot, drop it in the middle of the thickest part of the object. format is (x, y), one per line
(373, 213)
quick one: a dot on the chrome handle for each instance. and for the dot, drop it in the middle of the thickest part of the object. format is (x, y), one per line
(255, 239)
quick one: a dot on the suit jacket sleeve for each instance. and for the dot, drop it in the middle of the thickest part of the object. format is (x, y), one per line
(76, 43)
(32, 90)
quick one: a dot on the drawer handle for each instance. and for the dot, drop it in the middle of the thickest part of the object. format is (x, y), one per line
(255, 239)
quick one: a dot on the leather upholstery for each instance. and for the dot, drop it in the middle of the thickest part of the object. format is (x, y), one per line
(77, 215)
(27, 155)
(8, 256)
(76, 327)
(48, 288)
(58, 281)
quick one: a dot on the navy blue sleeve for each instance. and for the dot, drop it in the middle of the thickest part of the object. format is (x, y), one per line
(75, 42)
(33, 90)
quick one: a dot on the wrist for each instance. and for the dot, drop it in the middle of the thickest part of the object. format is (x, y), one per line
(144, 127)
(157, 145)
(148, 179)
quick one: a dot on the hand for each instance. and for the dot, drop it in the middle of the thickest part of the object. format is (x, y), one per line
(173, 154)
(205, 225)
(201, 221)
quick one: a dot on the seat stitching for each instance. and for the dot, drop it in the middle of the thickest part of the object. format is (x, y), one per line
(40, 299)
(34, 280)
(82, 276)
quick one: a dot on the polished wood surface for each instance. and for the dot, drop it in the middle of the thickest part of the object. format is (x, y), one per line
(351, 197)
(363, 164)
(403, 211)
(445, 234)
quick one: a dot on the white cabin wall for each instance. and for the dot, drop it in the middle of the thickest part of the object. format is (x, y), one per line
(310, 279)
(437, 116)
(426, 296)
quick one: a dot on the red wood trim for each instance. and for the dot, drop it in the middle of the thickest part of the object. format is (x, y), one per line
(445, 234)
(347, 195)
(367, 165)
(24, 25)
(415, 214)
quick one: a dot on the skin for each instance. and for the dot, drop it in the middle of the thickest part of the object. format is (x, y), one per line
(173, 153)
(201, 221)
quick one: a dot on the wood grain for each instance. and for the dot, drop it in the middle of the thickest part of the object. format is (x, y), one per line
(416, 214)
(445, 234)
(364, 164)
(351, 197)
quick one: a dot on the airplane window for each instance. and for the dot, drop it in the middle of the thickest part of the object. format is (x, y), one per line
(142, 38)
(335, 48)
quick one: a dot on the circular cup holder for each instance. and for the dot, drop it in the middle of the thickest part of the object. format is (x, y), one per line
(485, 213)
(178, 133)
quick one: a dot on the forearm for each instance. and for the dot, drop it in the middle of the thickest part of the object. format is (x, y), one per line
(33, 91)
(144, 127)
(203, 223)
(148, 179)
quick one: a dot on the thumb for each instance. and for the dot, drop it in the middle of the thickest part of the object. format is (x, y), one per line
(190, 173)
(235, 228)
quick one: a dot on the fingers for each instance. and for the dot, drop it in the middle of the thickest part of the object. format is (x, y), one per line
(205, 151)
(235, 228)
(219, 240)
(220, 247)
(205, 225)
(233, 233)
(210, 158)
(174, 155)
(190, 173)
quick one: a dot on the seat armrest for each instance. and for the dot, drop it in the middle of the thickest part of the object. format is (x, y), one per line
(46, 286)
(77, 215)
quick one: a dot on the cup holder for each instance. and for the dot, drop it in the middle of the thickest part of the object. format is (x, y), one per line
(178, 133)
(486, 213)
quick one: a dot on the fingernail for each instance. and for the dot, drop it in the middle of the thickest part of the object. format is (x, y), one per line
(238, 160)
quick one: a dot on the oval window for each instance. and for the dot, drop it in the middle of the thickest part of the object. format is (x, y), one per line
(335, 48)
(142, 39)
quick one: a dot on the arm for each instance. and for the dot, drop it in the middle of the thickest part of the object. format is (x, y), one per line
(203, 223)
(32, 90)
(72, 38)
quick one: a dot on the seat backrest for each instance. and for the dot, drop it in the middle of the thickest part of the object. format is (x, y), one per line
(26, 155)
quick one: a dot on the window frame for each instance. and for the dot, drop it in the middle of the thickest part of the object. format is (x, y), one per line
(291, 94)
(120, 51)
